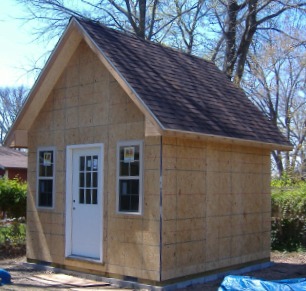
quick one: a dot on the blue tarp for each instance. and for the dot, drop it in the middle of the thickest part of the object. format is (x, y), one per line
(239, 283)
(5, 277)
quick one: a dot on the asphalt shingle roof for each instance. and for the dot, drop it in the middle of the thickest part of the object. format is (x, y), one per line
(183, 92)
(10, 158)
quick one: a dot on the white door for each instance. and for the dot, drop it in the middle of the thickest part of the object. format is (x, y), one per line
(85, 226)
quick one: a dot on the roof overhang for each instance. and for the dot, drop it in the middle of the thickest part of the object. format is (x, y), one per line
(227, 140)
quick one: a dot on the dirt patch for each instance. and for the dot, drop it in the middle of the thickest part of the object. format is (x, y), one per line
(286, 265)
(289, 258)
(8, 251)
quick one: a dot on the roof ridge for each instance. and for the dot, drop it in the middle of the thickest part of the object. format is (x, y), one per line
(133, 35)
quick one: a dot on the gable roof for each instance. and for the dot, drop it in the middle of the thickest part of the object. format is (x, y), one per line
(10, 158)
(181, 93)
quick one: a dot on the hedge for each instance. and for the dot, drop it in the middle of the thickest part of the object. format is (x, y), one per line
(289, 217)
(13, 197)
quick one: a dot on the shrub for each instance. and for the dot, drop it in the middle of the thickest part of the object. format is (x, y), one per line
(13, 233)
(13, 196)
(289, 217)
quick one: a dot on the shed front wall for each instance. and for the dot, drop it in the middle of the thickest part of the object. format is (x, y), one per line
(88, 106)
(216, 206)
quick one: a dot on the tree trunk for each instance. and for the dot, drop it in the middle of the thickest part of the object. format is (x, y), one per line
(142, 18)
(230, 37)
(246, 40)
(278, 161)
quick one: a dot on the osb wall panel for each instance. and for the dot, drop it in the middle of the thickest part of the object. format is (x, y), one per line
(216, 206)
(88, 106)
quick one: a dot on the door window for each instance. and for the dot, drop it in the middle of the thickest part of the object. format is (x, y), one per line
(88, 179)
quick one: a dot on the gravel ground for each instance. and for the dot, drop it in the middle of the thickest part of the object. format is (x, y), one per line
(286, 265)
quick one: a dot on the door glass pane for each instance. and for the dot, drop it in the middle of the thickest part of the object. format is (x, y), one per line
(88, 196)
(94, 196)
(82, 163)
(82, 180)
(88, 163)
(94, 179)
(81, 196)
(88, 179)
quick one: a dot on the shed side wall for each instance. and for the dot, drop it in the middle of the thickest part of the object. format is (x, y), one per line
(216, 206)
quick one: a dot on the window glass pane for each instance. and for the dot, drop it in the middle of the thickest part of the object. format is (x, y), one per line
(124, 169)
(94, 196)
(95, 163)
(121, 155)
(134, 187)
(134, 203)
(128, 195)
(136, 157)
(45, 163)
(134, 169)
(88, 196)
(42, 171)
(81, 196)
(45, 190)
(123, 187)
(124, 203)
(45, 171)
(49, 171)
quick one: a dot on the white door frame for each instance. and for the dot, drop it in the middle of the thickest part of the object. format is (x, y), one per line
(69, 206)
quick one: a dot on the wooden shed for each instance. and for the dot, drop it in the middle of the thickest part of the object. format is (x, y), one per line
(145, 163)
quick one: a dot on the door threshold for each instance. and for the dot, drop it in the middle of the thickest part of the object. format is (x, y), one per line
(83, 258)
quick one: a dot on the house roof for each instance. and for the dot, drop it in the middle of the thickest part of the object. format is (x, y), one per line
(179, 92)
(10, 158)
(183, 92)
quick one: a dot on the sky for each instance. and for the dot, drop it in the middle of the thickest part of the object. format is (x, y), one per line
(18, 50)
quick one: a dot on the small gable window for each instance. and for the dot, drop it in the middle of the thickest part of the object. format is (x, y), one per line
(45, 177)
(129, 177)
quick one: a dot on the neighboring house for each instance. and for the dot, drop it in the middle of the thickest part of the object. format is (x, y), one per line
(145, 163)
(13, 164)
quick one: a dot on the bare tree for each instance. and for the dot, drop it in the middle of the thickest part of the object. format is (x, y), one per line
(224, 29)
(242, 22)
(276, 82)
(187, 31)
(11, 101)
(146, 19)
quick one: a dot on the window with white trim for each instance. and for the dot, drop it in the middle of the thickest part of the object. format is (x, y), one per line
(45, 178)
(129, 177)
